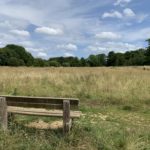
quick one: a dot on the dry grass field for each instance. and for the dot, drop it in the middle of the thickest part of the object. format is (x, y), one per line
(115, 103)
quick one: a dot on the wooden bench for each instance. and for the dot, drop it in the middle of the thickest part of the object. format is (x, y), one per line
(41, 106)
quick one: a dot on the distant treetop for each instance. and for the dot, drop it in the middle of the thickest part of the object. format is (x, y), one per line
(14, 55)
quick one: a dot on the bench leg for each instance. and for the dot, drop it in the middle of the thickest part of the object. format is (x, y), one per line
(66, 116)
(3, 113)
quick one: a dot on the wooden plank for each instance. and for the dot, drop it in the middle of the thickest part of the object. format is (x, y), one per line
(39, 105)
(3, 113)
(66, 116)
(35, 97)
(41, 112)
(51, 100)
(37, 102)
(36, 105)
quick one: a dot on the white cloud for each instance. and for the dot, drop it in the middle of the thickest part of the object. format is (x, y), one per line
(128, 12)
(122, 2)
(26, 43)
(127, 15)
(68, 54)
(96, 49)
(14, 10)
(137, 35)
(121, 46)
(142, 17)
(113, 14)
(108, 36)
(20, 33)
(49, 31)
(69, 47)
(6, 37)
(5, 24)
(11, 23)
(112, 46)
(42, 54)
(75, 21)
(30, 49)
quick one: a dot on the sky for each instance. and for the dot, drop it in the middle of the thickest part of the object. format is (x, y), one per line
(52, 28)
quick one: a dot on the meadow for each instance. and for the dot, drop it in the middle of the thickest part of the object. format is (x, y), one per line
(115, 102)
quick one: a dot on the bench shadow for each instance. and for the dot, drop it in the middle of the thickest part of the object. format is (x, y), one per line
(15, 126)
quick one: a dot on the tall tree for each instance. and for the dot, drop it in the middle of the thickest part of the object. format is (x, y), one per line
(148, 53)
(111, 59)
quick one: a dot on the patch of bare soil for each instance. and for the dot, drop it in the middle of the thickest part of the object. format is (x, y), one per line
(40, 124)
(99, 115)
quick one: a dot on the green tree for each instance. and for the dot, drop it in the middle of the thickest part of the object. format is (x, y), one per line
(119, 59)
(92, 60)
(15, 62)
(11, 54)
(83, 62)
(39, 62)
(20, 53)
(148, 53)
(101, 59)
(54, 63)
(111, 59)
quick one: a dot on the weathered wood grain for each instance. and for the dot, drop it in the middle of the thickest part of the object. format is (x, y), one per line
(40, 102)
(64, 107)
(66, 116)
(3, 113)
(41, 112)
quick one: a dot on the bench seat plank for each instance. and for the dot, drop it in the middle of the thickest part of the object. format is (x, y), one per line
(41, 112)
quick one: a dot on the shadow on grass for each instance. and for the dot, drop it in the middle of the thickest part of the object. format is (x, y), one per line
(15, 126)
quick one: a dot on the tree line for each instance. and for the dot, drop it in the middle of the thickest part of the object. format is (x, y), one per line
(14, 55)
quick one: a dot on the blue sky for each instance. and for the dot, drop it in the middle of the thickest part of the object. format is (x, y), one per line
(49, 28)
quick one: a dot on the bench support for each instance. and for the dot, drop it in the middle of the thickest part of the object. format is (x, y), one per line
(3, 113)
(66, 116)
(10, 105)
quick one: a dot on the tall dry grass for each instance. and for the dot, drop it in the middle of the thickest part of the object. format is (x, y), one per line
(110, 85)
(115, 103)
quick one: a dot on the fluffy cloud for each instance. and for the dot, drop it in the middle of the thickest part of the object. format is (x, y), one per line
(112, 46)
(30, 49)
(127, 15)
(49, 31)
(113, 14)
(108, 36)
(76, 22)
(20, 33)
(141, 17)
(12, 23)
(129, 12)
(26, 43)
(15, 9)
(5, 24)
(121, 46)
(122, 2)
(137, 35)
(42, 54)
(68, 54)
(68, 47)
(97, 49)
